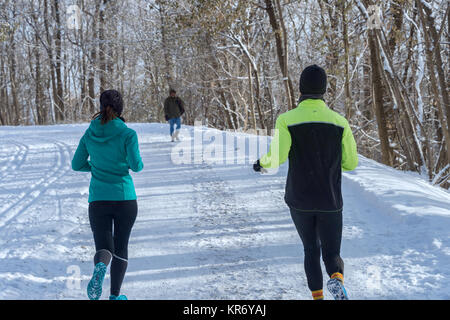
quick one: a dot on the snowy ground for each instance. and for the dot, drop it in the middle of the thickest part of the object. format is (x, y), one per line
(209, 231)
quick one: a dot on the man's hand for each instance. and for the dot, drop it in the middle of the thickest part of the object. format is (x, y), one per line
(167, 117)
(258, 168)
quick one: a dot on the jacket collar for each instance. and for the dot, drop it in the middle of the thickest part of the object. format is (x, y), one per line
(304, 97)
(312, 102)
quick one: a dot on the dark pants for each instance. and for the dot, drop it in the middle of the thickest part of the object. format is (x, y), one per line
(111, 224)
(321, 231)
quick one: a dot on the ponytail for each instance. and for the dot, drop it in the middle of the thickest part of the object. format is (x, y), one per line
(107, 114)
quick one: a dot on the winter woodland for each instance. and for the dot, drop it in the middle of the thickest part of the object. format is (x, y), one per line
(236, 64)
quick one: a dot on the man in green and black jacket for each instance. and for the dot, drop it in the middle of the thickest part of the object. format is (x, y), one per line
(320, 145)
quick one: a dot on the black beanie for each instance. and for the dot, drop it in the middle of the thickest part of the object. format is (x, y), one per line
(313, 80)
(113, 99)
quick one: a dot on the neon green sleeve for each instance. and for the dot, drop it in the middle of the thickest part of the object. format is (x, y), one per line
(279, 147)
(349, 152)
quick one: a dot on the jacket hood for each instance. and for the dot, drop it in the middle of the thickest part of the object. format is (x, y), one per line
(103, 132)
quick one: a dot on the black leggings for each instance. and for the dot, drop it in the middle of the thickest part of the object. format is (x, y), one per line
(111, 224)
(321, 231)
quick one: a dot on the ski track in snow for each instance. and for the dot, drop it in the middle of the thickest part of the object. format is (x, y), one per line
(14, 160)
(37, 188)
(209, 231)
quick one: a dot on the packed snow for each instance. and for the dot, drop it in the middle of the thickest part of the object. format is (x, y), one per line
(209, 230)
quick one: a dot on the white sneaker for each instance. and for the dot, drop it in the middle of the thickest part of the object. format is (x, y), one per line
(175, 135)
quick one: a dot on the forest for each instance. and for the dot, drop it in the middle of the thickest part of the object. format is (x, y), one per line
(236, 64)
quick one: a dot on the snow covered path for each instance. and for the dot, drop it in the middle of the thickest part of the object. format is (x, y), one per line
(209, 231)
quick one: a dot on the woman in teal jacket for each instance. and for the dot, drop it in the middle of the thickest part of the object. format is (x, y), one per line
(109, 149)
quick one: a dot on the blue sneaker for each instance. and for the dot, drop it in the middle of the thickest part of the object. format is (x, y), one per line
(121, 297)
(94, 288)
(337, 289)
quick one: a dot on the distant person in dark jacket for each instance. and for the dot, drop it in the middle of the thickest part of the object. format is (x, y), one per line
(173, 110)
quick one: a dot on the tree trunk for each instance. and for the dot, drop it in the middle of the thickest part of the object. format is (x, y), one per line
(93, 59)
(444, 113)
(13, 82)
(251, 98)
(4, 99)
(378, 92)
(166, 46)
(102, 46)
(41, 111)
(49, 47)
(348, 97)
(281, 45)
(396, 31)
(60, 112)
(39, 96)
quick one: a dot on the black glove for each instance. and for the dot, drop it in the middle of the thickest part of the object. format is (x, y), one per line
(257, 166)
(167, 117)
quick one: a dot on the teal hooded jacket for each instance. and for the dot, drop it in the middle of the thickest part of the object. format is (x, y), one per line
(109, 151)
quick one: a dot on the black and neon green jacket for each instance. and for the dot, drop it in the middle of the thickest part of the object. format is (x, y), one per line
(319, 144)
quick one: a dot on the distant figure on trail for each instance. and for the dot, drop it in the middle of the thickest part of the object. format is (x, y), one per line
(173, 110)
(320, 145)
(113, 150)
